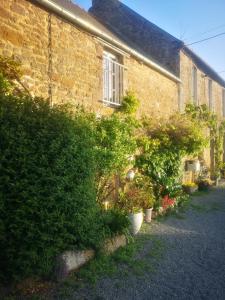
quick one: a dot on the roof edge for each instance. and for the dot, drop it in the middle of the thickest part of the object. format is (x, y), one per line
(92, 29)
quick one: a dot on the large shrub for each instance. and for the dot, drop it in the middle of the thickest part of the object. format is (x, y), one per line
(47, 192)
(163, 145)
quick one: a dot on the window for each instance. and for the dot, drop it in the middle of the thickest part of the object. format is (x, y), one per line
(194, 85)
(211, 106)
(113, 73)
(223, 102)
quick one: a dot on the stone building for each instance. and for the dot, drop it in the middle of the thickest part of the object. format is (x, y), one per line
(69, 56)
(200, 84)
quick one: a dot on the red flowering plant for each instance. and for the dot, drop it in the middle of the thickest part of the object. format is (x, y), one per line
(168, 202)
(170, 197)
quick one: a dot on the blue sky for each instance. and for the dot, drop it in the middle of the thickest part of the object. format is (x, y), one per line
(188, 20)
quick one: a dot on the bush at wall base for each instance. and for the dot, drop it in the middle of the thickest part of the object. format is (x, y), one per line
(47, 192)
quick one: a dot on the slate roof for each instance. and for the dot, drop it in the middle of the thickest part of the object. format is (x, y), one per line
(73, 13)
(139, 33)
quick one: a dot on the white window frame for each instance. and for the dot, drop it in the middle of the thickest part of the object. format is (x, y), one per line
(113, 79)
(223, 103)
(194, 85)
(210, 94)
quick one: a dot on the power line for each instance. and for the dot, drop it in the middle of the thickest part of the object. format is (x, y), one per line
(200, 41)
(207, 31)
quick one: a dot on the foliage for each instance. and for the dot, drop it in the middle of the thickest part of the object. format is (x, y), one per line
(130, 200)
(179, 132)
(136, 195)
(163, 145)
(130, 103)
(47, 191)
(146, 187)
(115, 221)
(203, 185)
(115, 144)
(54, 163)
(167, 202)
(217, 130)
(10, 76)
(50, 161)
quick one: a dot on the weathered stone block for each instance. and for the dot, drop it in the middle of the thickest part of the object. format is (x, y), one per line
(4, 14)
(111, 245)
(71, 261)
(18, 9)
(12, 36)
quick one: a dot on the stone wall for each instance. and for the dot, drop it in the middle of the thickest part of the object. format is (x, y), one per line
(158, 94)
(44, 42)
(186, 65)
(61, 59)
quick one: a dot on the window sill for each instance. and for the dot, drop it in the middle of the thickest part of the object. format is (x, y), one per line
(111, 104)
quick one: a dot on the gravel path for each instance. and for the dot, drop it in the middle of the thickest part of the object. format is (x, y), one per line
(194, 263)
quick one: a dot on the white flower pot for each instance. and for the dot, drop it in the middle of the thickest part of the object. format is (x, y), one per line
(148, 215)
(136, 220)
(193, 166)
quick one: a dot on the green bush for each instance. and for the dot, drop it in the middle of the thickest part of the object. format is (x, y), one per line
(47, 189)
(115, 221)
(115, 144)
(164, 143)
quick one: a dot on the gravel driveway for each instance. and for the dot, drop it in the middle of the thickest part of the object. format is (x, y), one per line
(193, 266)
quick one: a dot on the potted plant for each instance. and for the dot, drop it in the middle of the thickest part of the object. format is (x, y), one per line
(190, 187)
(168, 202)
(147, 198)
(130, 201)
(203, 184)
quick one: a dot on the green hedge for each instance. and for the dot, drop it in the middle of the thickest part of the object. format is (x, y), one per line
(47, 193)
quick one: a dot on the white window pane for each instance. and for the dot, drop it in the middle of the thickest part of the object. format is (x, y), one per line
(112, 80)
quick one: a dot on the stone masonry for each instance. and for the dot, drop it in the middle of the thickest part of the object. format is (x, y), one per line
(64, 61)
(168, 51)
(186, 65)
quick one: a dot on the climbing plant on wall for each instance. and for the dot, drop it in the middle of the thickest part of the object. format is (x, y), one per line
(217, 130)
(116, 143)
